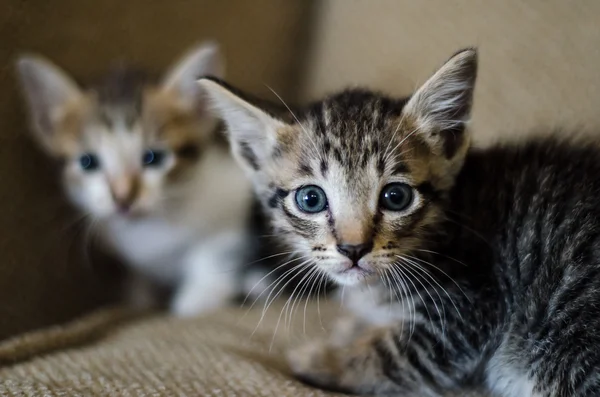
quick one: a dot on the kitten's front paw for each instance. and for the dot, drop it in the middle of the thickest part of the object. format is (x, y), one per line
(316, 364)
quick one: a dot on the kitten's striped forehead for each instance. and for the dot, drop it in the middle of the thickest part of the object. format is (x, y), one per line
(120, 97)
(353, 129)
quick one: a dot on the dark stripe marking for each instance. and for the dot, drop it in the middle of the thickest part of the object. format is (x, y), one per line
(249, 155)
(303, 227)
(277, 196)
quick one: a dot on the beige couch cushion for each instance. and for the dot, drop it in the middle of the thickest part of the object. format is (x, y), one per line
(220, 355)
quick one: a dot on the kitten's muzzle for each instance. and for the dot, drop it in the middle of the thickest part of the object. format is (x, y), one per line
(354, 251)
(125, 192)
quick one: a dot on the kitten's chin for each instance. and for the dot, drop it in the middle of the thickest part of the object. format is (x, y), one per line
(352, 276)
(132, 214)
(128, 215)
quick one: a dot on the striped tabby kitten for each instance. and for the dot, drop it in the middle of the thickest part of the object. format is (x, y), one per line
(144, 160)
(464, 267)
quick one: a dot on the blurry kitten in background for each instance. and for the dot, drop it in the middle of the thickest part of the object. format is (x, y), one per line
(144, 160)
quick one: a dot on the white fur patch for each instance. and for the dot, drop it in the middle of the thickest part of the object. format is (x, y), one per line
(210, 275)
(367, 303)
(506, 377)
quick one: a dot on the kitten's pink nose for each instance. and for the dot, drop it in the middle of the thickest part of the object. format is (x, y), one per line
(125, 191)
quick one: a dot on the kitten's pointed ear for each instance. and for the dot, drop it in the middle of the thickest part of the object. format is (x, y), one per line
(440, 108)
(47, 91)
(202, 60)
(252, 132)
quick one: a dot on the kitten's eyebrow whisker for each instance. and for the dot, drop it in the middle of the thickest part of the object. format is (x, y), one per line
(385, 154)
(404, 139)
(317, 151)
(395, 160)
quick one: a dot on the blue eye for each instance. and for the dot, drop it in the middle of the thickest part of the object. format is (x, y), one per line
(311, 199)
(153, 158)
(89, 162)
(396, 197)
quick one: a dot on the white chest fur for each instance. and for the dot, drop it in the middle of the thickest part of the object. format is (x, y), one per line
(370, 304)
(152, 246)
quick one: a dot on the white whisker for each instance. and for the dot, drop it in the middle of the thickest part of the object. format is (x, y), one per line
(312, 285)
(293, 297)
(321, 280)
(408, 277)
(297, 270)
(403, 290)
(442, 255)
(428, 274)
(441, 271)
(308, 135)
(415, 274)
(286, 306)
(412, 315)
(265, 276)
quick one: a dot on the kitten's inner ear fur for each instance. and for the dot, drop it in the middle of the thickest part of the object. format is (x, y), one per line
(439, 110)
(253, 133)
(49, 94)
(202, 60)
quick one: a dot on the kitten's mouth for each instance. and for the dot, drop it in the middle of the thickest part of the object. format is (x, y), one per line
(129, 213)
(352, 273)
(356, 268)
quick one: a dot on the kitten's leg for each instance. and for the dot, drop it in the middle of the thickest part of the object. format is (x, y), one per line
(439, 354)
(141, 293)
(371, 364)
(210, 278)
